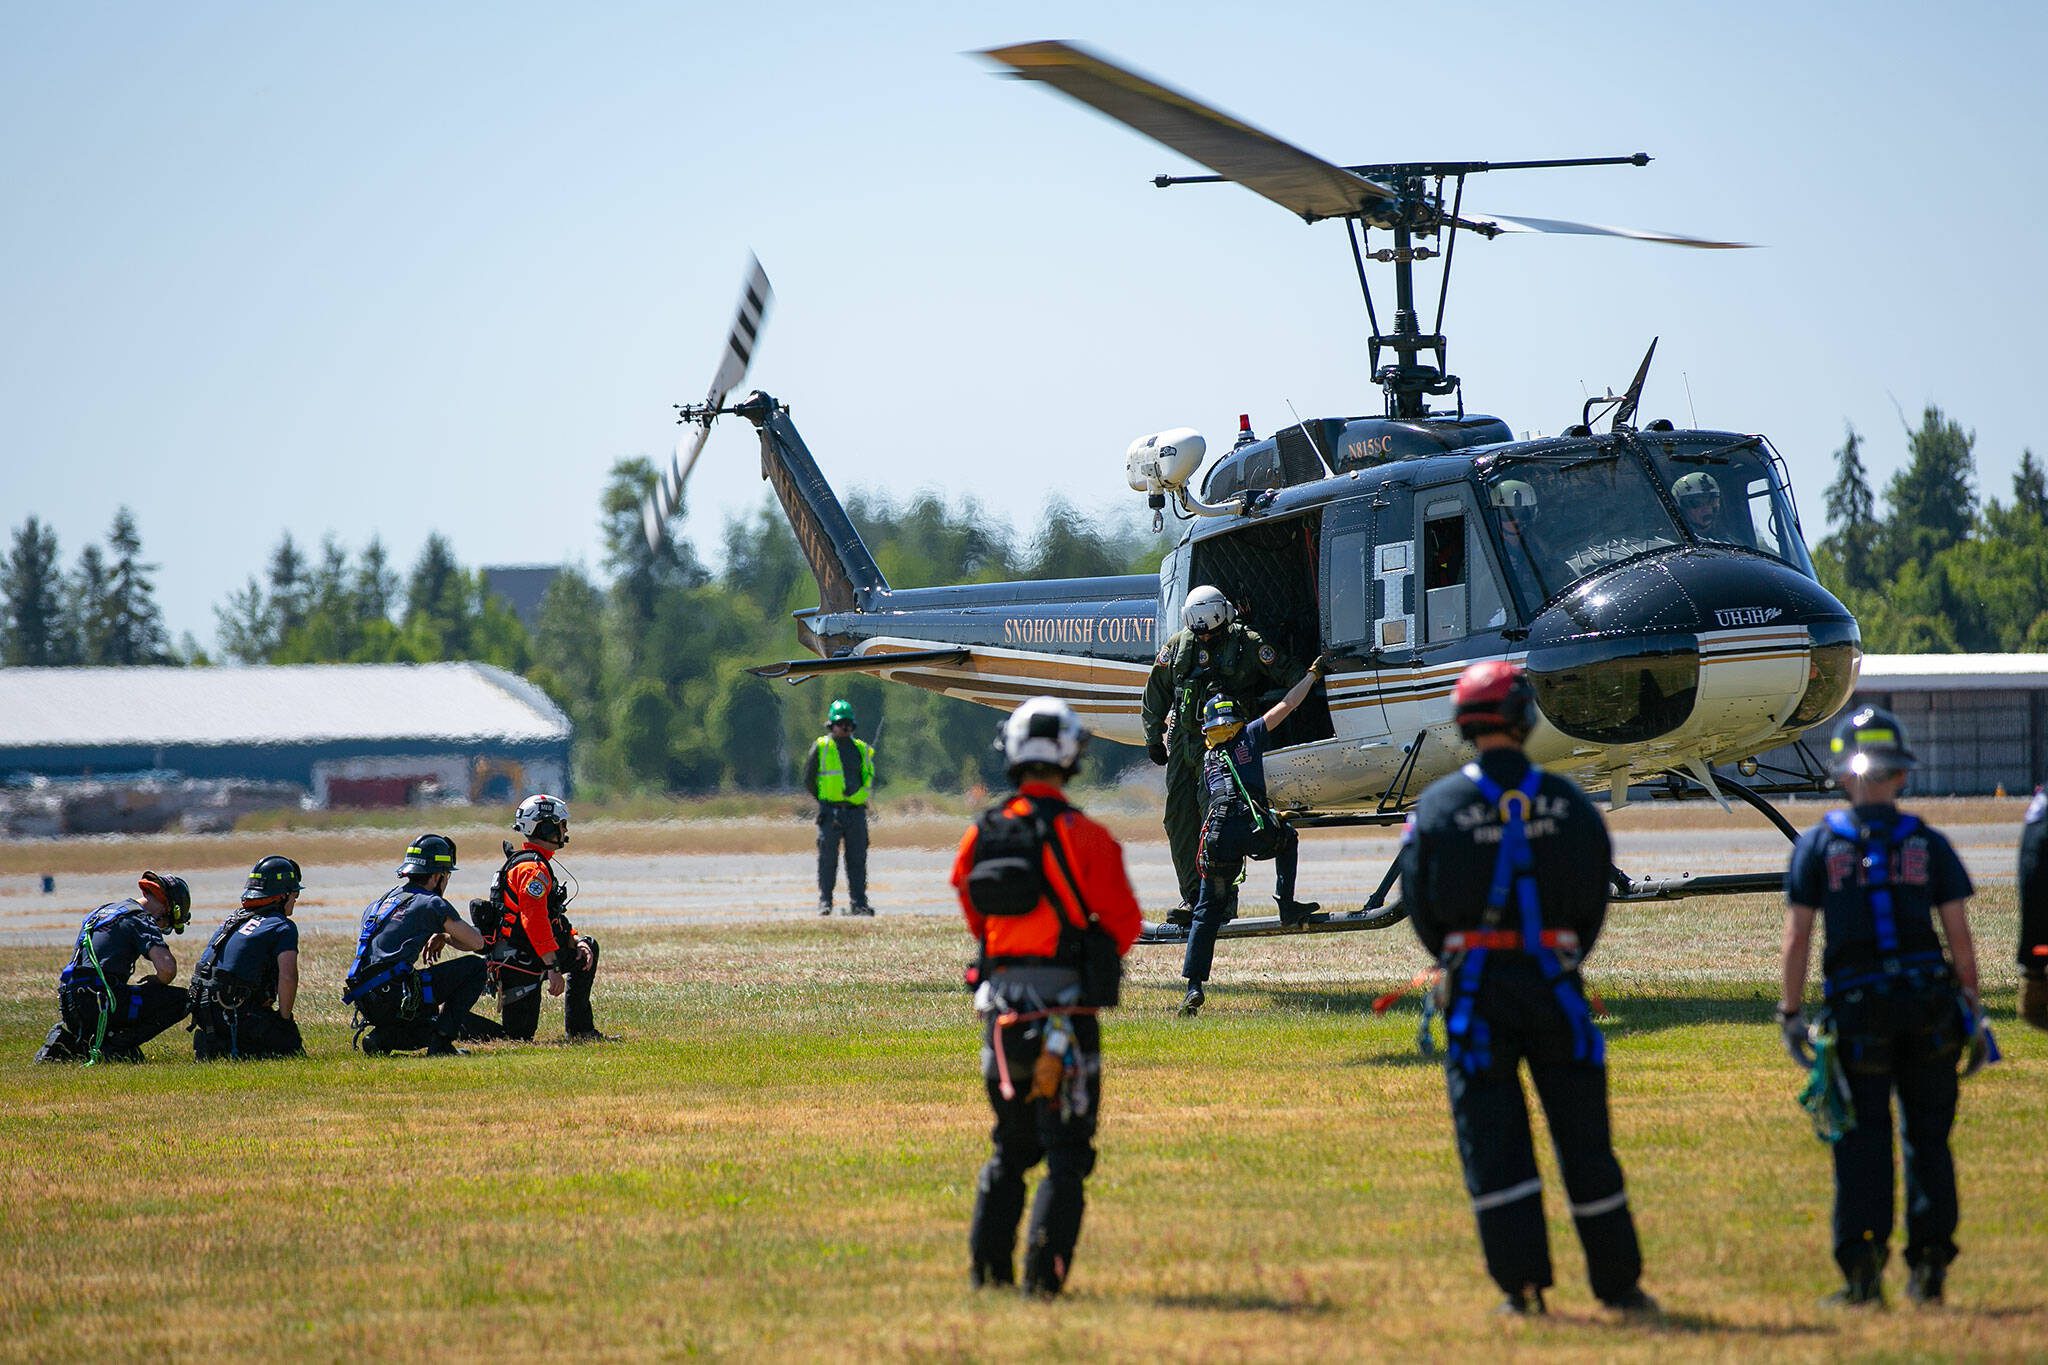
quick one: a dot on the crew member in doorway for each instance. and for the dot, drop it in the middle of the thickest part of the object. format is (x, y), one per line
(527, 923)
(1239, 822)
(1504, 872)
(246, 982)
(1045, 894)
(2034, 914)
(1211, 655)
(840, 772)
(1903, 1014)
(100, 1015)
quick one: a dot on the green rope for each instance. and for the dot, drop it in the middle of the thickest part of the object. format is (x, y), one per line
(1258, 820)
(99, 1036)
(1826, 1096)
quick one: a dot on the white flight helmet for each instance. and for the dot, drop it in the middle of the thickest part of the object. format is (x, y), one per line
(543, 817)
(1042, 730)
(1513, 494)
(1207, 609)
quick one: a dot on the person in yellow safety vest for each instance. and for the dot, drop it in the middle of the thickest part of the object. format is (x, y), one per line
(840, 772)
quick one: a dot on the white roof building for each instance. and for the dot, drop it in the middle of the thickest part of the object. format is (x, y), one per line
(307, 723)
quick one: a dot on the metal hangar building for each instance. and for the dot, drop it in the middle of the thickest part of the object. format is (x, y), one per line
(351, 734)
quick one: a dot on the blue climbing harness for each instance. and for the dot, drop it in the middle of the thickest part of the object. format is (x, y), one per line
(1514, 877)
(398, 898)
(1874, 849)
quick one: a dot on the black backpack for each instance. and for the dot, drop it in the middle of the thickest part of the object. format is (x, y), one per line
(1008, 878)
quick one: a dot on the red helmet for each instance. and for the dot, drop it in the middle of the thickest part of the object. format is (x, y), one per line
(1495, 695)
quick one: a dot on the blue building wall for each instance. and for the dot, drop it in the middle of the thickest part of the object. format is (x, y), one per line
(282, 762)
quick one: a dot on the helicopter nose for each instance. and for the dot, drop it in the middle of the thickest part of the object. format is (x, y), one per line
(1701, 649)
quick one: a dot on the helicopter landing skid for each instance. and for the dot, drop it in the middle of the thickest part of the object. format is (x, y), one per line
(1625, 889)
(1269, 926)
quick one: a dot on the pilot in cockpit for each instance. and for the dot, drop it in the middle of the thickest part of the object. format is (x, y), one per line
(1514, 500)
(1699, 498)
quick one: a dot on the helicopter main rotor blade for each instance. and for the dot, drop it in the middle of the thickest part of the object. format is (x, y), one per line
(1287, 175)
(666, 498)
(1495, 223)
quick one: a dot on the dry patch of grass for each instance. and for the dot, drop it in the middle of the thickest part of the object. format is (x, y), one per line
(779, 1159)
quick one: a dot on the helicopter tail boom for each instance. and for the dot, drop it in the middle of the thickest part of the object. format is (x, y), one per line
(847, 574)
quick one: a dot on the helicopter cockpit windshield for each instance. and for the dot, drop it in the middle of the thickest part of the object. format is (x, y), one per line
(1733, 494)
(1561, 519)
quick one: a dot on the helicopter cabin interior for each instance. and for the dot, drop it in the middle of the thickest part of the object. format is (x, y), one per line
(1396, 577)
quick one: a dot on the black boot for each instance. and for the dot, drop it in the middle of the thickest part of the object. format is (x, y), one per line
(441, 1046)
(1524, 1303)
(1191, 1003)
(1862, 1285)
(1294, 914)
(1634, 1304)
(1181, 916)
(1924, 1286)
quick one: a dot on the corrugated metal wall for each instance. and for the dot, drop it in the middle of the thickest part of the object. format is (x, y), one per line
(1970, 741)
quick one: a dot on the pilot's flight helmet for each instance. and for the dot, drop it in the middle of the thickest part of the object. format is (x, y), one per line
(1207, 609)
(1696, 490)
(1513, 495)
(1869, 742)
(1222, 718)
(1042, 730)
(1493, 697)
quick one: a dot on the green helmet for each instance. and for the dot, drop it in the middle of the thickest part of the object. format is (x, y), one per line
(1696, 490)
(841, 713)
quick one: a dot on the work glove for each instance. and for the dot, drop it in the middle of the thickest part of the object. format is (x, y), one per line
(2034, 1001)
(1798, 1043)
(1321, 666)
(1156, 751)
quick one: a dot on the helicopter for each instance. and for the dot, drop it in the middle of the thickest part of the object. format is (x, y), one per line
(1654, 581)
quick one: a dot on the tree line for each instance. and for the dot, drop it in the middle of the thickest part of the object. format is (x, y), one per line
(1933, 569)
(647, 655)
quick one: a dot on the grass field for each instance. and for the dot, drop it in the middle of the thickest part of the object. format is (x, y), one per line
(777, 1160)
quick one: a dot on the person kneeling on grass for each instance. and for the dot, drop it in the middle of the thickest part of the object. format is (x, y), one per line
(401, 1004)
(247, 979)
(100, 1014)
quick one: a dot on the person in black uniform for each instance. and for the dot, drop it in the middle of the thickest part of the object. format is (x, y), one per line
(403, 1005)
(100, 1015)
(1504, 874)
(1902, 1012)
(1238, 822)
(2034, 914)
(246, 982)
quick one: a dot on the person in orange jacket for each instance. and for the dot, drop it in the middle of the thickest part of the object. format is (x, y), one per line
(1045, 894)
(532, 939)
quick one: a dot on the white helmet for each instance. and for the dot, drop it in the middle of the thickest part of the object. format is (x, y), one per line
(1512, 493)
(543, 817)
(1207, 609)
(1042, 730)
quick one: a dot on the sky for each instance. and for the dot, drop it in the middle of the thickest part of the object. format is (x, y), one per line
(390, 268)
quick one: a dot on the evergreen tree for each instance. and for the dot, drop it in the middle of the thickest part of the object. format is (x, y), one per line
(1850, 511)
(89, 608)
(1932, 501)
(376, 583)
(2030, 488)
(436, 606)
(33, 629)
(135, 624)
(290, 595)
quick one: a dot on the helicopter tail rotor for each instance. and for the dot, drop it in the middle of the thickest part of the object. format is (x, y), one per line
(665, 499)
